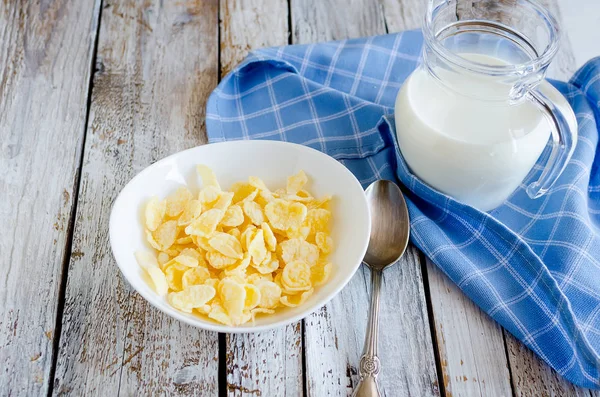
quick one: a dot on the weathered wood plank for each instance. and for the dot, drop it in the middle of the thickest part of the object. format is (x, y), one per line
(268, 363)
(334, 335)
(314, 21)
(265, 364)
(249, 24)
(45, 69)
(156, 65)
(404, 14)
(470, 344)
(532, 377)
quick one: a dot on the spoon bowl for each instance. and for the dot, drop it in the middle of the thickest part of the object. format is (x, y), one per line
(390, 229)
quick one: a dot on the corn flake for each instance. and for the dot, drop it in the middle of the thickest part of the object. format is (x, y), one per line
(234, 216)
(224, 201)
(226, 244)
(247, 236)
(298, 249)
(159, 280)
(254, 212)
(296, 276)
(166, 234)
(320, 273)
(269, 237)
(195, 296)
(252, 296)
(296, 300)
(173, 273)
(191, 212)
(163, 258)
(178, 201)
(241, 190)
(208, 196)
(296, 182)
(284, 215)
(194, 276)
(270, 293)
(155, 212)
(146, 259)
(219, 261)
(206, 223)
(319, 220)
(257, 248)
(324, 242)
(185, 260)
(233, 297)
(208, 176)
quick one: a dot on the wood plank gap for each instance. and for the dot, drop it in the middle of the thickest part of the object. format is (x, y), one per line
(62, 288)
(290, 36)
(219, 65)
(222, 375)
(510, 370)
(303, 350)
(431, 319)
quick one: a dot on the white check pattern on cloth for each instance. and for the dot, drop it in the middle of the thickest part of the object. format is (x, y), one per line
(533, 265)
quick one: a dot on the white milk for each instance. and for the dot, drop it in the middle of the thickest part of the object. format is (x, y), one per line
(476, 150)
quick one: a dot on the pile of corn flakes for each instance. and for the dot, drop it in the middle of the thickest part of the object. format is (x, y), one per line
(234, 254)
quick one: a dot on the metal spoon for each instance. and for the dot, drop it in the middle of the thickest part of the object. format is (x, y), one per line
(390, 229)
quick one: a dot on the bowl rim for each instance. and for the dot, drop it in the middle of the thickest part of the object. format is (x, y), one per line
(213, 326)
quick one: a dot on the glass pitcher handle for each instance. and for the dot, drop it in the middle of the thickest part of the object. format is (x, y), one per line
(564, 139)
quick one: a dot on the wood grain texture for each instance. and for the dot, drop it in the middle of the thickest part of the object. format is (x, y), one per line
(156, 65)
(469, 343)
(265, 364)
(314, 20)
(249, 24)
(404, 14)
(268, 363)
(334, 335)
(45, 64)
(532, 377)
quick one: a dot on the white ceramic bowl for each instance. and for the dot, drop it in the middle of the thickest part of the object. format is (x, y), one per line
(273, 162)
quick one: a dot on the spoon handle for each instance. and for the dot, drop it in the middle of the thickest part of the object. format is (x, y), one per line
(369, 362)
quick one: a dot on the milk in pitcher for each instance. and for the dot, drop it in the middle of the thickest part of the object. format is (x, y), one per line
(473, 149)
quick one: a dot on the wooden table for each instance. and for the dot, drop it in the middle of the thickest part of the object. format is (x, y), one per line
(91, 92)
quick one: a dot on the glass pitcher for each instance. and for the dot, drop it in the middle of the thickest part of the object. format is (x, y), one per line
(476, 115)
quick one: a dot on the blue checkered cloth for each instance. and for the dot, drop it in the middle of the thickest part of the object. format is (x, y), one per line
(533, 265)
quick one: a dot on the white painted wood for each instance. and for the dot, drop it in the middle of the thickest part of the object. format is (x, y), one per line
(470, 344)
(157, 62)
(532, 377)
(250, 24)
(314, 20)
(265, 364)
(45, 64)
(404, 14)
(334, 335)
(268, 363)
